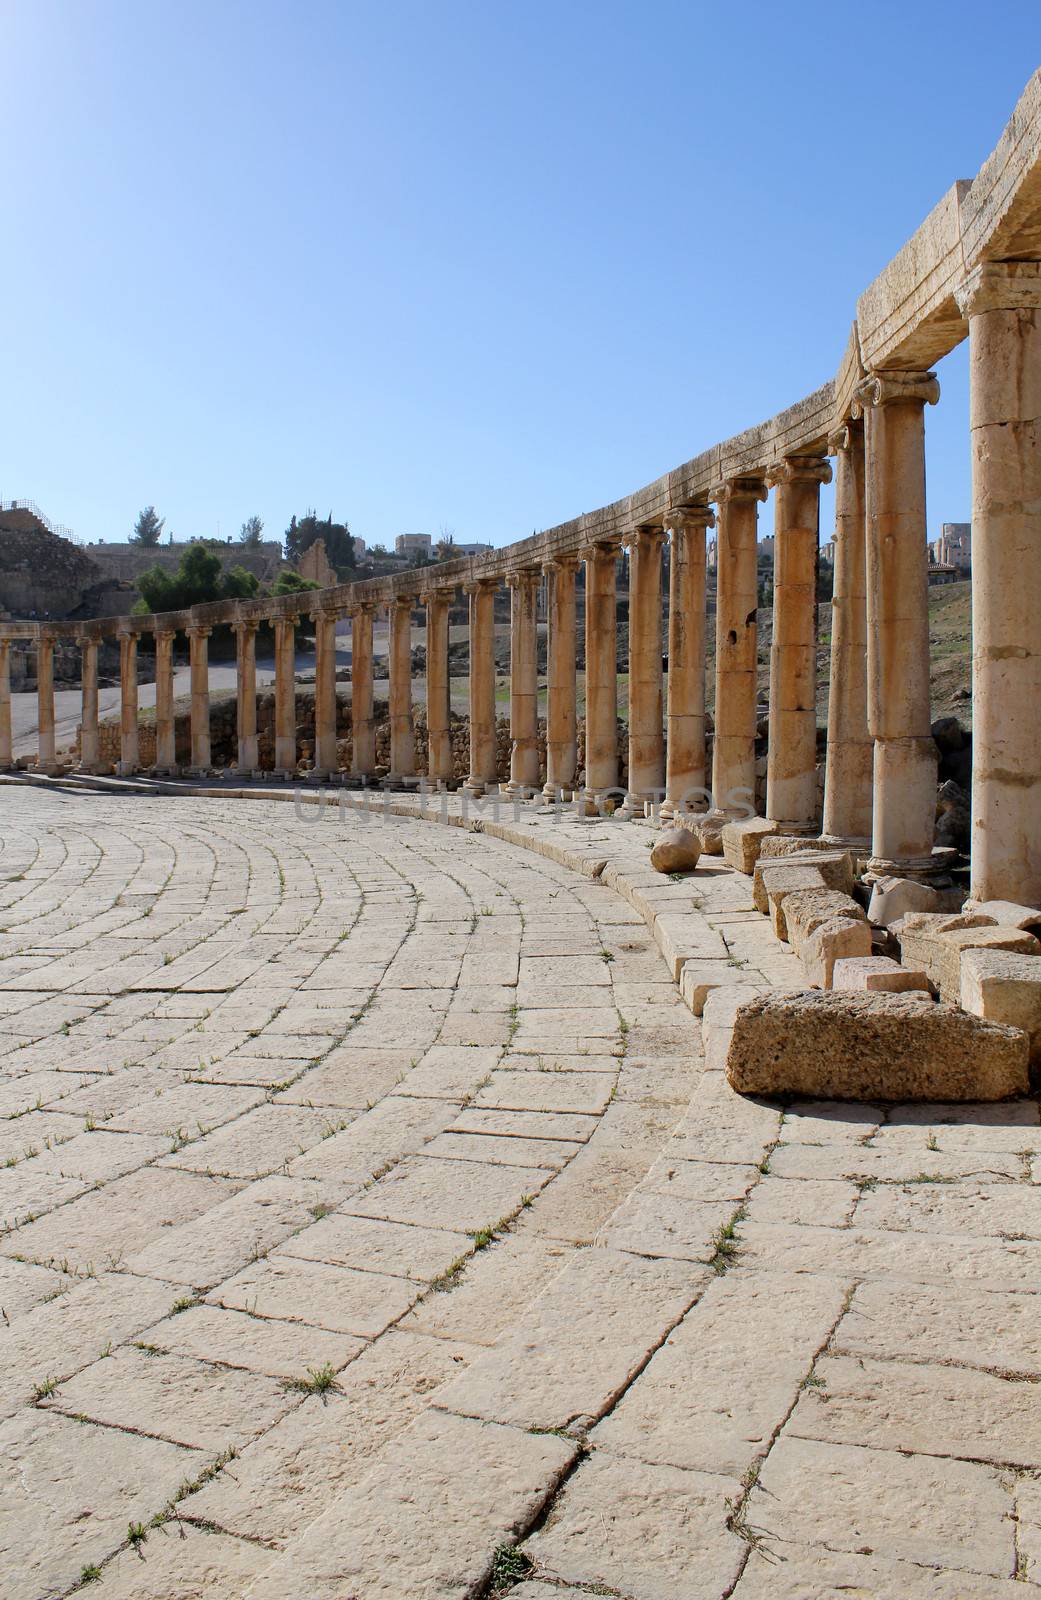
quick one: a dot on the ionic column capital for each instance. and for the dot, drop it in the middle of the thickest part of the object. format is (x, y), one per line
(480, 585)
(844, 436)
(682, 518)
(888, 388)
(1000, 286)
(523, 578)
(567, 561)
(604, 547)
(245, 625)
(645, 536)
(127, 630)
(198, 630)
(744, 486)
(161, 635)
(798, 469)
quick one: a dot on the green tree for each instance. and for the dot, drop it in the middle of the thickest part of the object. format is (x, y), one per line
(292, 583)
(198, 580)
(148, 528)
(251, 532)
(339, 545)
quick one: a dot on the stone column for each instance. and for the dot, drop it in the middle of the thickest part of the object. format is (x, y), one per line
(90, 747)
(363, 747)
(45, 759)
(561, 728)
(199, 653)
(285, 697)
(325, 757)
(524, 683)
(646, 736)
(685, 757)
(165, 727)
(246, 695)
(847, 770)
(439, 722)
(904, 786)
(601, 670)
(1002, 303)
(402, 742)
(128, 734)
(6, 740)
(482, 685)
(733, 747)
(791, 771)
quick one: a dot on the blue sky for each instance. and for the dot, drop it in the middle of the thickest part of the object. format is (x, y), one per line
(473, 266)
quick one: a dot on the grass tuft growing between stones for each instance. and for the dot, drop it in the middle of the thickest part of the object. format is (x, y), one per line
(319, 1380)
(727, 1246)
(509, 1567)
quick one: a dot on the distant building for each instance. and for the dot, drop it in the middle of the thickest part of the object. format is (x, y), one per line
(827, 552)
(413, 544)
(359, 547)
(954, 546)
(471, 549)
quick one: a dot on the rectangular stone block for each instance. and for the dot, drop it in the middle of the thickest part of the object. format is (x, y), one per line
(686, 938)
(872, 1047)
(698, 979)
(1007, 914)
(879, 973)
(742, 841)
(919, 933)
(1004, 986)
(952, 945)
(834, 866)
(837, 938)
(806, 909)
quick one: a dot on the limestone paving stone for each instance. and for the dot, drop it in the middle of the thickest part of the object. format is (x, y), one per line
(589, 1189)
(375, 1139)
(254, 1341)
(793, 1571)
(339, 1299)
(654, 1224)
(583, 1092)
(1009, 1211)
(262, 1141)
(399, 1249)
(993, 1265)
(179, 1561)
(993, 1331)
(460, 1194)
(24, 1285)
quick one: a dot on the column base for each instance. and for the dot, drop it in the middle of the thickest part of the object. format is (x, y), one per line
(198, 772)
(49, 769)
(166, 772)
(475, 787)
(921, 868)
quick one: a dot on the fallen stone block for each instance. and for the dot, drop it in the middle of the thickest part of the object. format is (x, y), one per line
(676, 850)
(687, 938)
(918, 935)
(839, 1045)
(806, 909)
(709, 830)
(1004, 986)
(837, 938)
(835, 868)
(717, 1020)
(952, 946)
(743, 840)
(893, 898)
(793, 844)
(878, 974)
(699, 978)
(1007, 914)
(779, 882)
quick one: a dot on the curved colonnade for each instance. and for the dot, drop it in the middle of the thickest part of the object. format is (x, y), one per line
(973, 269)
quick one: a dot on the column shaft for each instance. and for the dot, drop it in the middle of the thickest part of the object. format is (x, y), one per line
(402, 741)
(45, 759)
(325, 757)
(791, 772)
(363, 750)
(128, 734)
(246, 695)
(524, 683)
(601, 669)
(483, 761)
(646, 738)
(685, 755)
(1002, 301)
(733, 748)
(6, 740)
(285, 697)
(199, 653)
(439, 723)
(904, 786)
(90, 749)
(847, 771)
(165, 727)
(561, 722)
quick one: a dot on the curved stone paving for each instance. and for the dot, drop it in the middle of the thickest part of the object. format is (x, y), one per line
(369, 1213)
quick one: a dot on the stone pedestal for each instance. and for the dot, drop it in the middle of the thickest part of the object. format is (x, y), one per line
(6, 740)
(246, 695)
(601, 670)
(685, 775)
(791, 773)
(402, 743)
(439, 720)
(363, 751)
(733, 748)
(848, 761)
(904, 768)
(90, 753)
(325, 758)
(646, 736)
(285, 697)
(524, 751)
(45, 759)
(482, 685)
(199, 655)
(128, 735)
(561, 721)
(1002, 302)
(165, 729)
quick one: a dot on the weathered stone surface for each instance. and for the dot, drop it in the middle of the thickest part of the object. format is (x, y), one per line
(182, 1562)
(919, 933)
(893, 898)
(676, 850)
(813, 1572)
(1004, 986)
(876, 973)
(951, 949)
(806, 909)
(925, 1322)
(709, 831)
(1007, 914)
(721, 1007)
(777, 879)
(742, 841)
(834, 866)
(872, 1046)
(836, 939)
(782, 845)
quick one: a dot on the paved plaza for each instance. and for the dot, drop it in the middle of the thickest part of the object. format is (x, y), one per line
(374, 1227)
